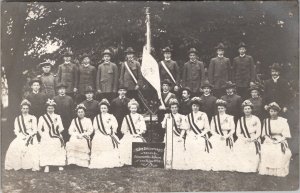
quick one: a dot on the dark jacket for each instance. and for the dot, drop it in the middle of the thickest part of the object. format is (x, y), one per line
(185, 107)
(125, 77)
(219, 71)
(209, 105)
(92, 108)
(49, 82)
(38, 102)
(86, 77)
(193, 75)
(243, 71)
(67, 74)
(65, 107)
(107, 77)
(119, 108)
(234, 103)
(173, 68)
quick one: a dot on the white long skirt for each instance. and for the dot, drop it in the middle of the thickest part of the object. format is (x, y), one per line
(19, 156)
(221, 155)
(78, 152)
(104, 154)
(126, 148)
(52, 153)
(247, 158)
(196, 156)
(177, 152)
(273, 161)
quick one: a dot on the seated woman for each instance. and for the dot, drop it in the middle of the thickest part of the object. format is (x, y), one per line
(133, 126)
(105, 145)
(275, 153)
(247, 146)
(52, 150)
(79, 146)
(175, 125)
(196, 143)
(222, 129)
(23, 150)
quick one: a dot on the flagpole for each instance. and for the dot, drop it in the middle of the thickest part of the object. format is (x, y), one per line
(148, 33)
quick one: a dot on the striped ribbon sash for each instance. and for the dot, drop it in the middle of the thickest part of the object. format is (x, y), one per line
(176, 130)
(53, 132)
(246, 133)
(114, 139)
(284, 144)
(23, 130)
(198, 131)
(218, 128)
(80, 130)
(132, 128)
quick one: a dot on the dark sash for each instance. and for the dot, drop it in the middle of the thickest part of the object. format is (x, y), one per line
(197, 131)
(23, 130)
(218, 129)
(130, 125)
(101, 128)
(246, 133)
(176, 130)
(80, 130)
(52, 132)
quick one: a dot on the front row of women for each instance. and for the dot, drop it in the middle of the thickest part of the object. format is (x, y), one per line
(105, 150)
(190, 141)
(193, 143)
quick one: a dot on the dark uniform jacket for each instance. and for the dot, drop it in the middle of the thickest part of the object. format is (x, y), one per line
(107, 77)
(185, 107)
(92, 108)
(257, 107)
(173, 68)
(234, 103)
(125, 77)
(193, 75)
(219, 71)
(119, 108)
(276, 92)
(65, 108)
(49, 82)
(67, 74)
(38, 102)
(243, 71)
(86, 77)
(209, 105)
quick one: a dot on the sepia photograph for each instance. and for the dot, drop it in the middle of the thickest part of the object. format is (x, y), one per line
(149, 96)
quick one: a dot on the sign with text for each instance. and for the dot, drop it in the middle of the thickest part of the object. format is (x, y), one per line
(148, 155)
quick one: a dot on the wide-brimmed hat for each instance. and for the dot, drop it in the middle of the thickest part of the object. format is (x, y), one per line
(106, 51)
(166, 49)
(50, 102)
(89, 89)
(132, 102)
(242, 44)
(173, 101)
(255, 87)
(247, 103)
(61, 85)
(197, 101)
(25, 102)
(187, 89)
(207, 84)
(122, 86)
(192, 50)
(273, 106)
(45, 63)
(167, 81)
(129, 50)
(220, 46)
(229, 84)
(104, 102)
(35, 80)
(275, 66)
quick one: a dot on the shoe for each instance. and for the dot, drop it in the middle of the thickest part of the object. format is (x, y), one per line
(60, 168)
(46, 169)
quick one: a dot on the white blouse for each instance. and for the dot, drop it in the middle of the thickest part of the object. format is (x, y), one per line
(87, 127)
(226, 121)
(180, 120)
(43, 126)
(138, 121)
(201, 120)
(253, 125)
(30, 123)
(109, 121)
(279, 127)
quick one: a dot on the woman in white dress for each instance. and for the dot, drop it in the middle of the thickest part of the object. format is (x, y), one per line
(133, 126)
(52, 146)
(275, 153)
(222, 129)
(79, 146)
(105, 145)
(23, 150)
(247, 146)
(175, 125)
(197, 144)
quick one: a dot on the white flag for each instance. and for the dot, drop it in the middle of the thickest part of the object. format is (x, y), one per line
(150, 71)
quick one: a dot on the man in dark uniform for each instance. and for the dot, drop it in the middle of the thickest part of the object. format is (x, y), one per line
(107, 77)
(243, 71)
(185, 102)
(168, 69)
(166, 96)
(48, 79)
(65, 108)
(119, 107)
(67, 74)
(36, 98)
(86, 77)
(208, 100)
(92, 108)
(276, 89)
(219, 71)
(193, 72)
(130, 74)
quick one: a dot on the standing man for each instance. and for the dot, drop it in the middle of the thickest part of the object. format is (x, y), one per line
(92, 106)
(276, 89)
(107, 77)
(169, 69)
(130, 75)
(86, 77)
(193, 72)
(219, 71)
(48, 79)
(208, 100)
(67, 74)
(185, 103)
(243, 71)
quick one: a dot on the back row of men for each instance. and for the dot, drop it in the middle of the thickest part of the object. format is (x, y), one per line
(107, 77)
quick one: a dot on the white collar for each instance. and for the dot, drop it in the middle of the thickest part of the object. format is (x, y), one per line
(168, 59)
(242, 55)
(35, 92)
(275, 79)
(166, 92)
(206, 94)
